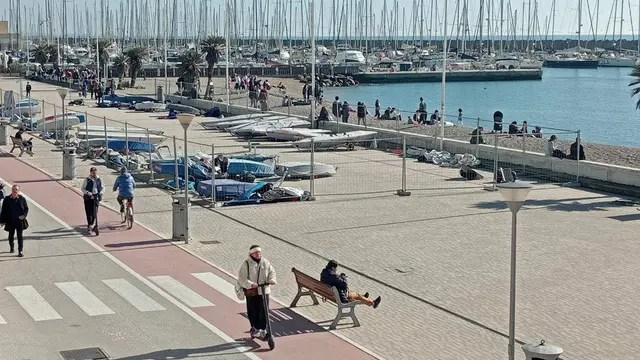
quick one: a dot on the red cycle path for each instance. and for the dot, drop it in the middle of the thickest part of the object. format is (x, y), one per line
(149, 255)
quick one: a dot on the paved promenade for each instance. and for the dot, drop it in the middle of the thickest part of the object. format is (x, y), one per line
(198, 289)
(439, 258)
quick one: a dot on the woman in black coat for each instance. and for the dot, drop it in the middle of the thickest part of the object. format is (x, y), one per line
(14, 217)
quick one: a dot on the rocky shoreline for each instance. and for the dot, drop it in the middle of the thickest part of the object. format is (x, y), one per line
(601, 153)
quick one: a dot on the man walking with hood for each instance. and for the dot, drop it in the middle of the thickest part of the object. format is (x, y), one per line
(92, 190)
(254, 272)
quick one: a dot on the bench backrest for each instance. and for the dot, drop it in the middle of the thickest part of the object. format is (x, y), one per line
(314, 285)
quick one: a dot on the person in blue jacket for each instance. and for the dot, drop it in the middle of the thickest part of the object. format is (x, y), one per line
(125, 186)
(330, 277)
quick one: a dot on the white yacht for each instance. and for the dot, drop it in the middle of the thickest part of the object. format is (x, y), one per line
(350, 56)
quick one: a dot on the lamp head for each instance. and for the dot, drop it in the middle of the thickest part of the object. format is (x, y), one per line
(62, 92)
(515, 193)
(185, 120)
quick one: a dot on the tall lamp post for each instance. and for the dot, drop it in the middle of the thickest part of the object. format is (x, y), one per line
(63, 94)
(514, 193)
(185, 121)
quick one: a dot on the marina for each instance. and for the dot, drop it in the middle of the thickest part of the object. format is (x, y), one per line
(365, 131)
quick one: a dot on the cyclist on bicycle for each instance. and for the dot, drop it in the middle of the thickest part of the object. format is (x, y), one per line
(125, 186)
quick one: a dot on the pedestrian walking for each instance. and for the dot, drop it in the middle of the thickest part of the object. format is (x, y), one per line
(256, 271)
(377, 109)
(362, 113)
(92, 190)
(28, 88)
(14, 218)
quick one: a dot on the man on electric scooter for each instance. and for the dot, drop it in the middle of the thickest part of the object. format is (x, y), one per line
(330, 277)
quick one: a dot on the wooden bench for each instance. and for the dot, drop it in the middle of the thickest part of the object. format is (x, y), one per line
(314, 287)
(18, 144)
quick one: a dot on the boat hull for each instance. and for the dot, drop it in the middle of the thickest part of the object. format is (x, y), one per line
(452, 76)
(571, 64)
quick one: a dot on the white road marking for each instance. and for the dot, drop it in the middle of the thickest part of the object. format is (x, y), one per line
(33, 303)
(218, 283)
(244, 350)
(178, 290)
(133, 295)
(2, 321)
(88, 302)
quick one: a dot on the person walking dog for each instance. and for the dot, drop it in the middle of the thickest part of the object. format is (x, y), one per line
(14, 217)
(256, 271)
(92, 190)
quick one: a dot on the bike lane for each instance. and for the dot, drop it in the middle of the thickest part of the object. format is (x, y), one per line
(155, 258)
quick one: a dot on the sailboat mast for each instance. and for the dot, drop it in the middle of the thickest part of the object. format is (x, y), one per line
(444, 76)
(501, 24)
(621, 22)
(579, 21)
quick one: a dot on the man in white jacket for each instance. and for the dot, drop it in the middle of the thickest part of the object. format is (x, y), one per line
(254, 272)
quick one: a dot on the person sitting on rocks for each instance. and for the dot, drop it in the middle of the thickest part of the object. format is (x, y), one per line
(476, 136)
(330, 277)
(537, 132)
(513, 128)
(552, 150)
(573, 151)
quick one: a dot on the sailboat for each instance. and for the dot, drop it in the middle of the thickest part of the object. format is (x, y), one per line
(576, 57)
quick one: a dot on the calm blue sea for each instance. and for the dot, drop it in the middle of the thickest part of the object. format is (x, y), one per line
(596, 101)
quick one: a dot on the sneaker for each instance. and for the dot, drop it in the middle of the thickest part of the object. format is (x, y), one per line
(261, 334)
(20, 254)
(366, 294)
(253, 332)
(12, 250)
(376, 302)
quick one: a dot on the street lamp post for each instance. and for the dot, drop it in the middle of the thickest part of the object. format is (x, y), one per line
(514, 193)
(63, 94)
(185, 121)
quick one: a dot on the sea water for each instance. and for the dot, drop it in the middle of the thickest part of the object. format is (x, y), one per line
(597, 102)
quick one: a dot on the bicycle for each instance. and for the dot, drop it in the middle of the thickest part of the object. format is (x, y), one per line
(127, 216)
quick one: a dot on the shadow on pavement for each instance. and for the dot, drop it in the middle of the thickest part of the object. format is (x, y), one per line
(285, 322)
(222, 350)
(569, 205)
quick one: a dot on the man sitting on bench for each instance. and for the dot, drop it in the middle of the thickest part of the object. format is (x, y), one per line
(28, 144)
(330, 277)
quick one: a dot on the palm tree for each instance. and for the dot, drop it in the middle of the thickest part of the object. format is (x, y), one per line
(134, 58)
(102, 46)
(189, 67)
(211, 48)
(636, 90)
(44, 52)
(120, 67)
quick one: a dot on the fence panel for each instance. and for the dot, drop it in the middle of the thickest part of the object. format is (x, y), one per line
(363, 168)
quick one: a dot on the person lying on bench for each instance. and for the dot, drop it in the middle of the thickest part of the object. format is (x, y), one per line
(330, 277)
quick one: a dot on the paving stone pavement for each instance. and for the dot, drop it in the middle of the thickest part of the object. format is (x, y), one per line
(448, 245)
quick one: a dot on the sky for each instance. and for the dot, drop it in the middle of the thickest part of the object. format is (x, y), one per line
(565, 20)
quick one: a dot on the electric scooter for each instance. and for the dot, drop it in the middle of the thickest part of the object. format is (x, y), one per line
(269, 336)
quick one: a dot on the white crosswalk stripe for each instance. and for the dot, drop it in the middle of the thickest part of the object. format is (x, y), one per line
(218, 283)
(33, 303)
(180, 291)
(88, 302)
(2, 321)
(133, 295)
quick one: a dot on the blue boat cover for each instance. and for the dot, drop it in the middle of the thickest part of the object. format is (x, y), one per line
(225, 188)
(213, 112)
(196, 171)
(240, 166)
(120, 145)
